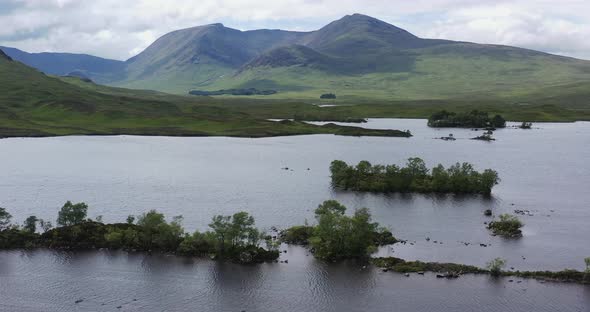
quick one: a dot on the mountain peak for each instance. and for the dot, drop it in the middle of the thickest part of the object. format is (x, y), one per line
(369, 22)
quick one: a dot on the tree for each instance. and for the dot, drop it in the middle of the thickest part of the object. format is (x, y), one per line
(45, 225)
(71, 214)
(149, 223)
(4, 219)
(242, 230)
(339, 169)
(498, 121)
(338, 236)
(130, 219)
(31, 224)
(237, 231)
(495, 266)
(587, 260)
(221, 226)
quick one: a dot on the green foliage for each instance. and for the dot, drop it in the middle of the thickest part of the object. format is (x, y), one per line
(507, 226)
(587, 261)
(495, 266)
(4, 219)
(71, 214)
(30, 224)
(297, 235)
(338, 236)
(45, 225)
(328, 96)
(233, 237)
(130, 219)
(16, 238)
(198, 244)
(414, 177)
(156, 233)
(234, 232)
(472, 119)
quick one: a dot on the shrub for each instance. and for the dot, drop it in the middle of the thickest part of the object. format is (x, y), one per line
(495, 266)
(507, 226)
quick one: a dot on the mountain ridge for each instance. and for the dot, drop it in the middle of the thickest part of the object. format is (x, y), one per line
(357, 55)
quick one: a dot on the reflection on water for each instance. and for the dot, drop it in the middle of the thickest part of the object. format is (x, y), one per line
(45, 280)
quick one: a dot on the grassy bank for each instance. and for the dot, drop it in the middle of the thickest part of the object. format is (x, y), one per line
(454, 270)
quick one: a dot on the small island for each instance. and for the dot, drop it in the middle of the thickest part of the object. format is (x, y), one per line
(234, 237)
(486, 136)
(507, 226)
(472, 119)
(414, 177)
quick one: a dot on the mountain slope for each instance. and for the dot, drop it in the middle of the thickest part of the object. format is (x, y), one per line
(60, 64)
(193, 56)
(33, 104)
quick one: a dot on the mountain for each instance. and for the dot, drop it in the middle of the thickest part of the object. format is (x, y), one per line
(356, 57)
(358, 33)
(60, 64)
(181, 59)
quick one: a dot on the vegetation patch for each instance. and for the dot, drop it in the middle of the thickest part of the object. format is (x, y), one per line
(402, 266)
(414, 177)
(338, 236)
(506, 226)
(472, 119)
(234, 237)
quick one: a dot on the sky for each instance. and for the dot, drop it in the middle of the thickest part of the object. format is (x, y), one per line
(120, 29)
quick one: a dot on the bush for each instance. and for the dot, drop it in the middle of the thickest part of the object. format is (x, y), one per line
(297, 235)
(495, 266)
(507, 226)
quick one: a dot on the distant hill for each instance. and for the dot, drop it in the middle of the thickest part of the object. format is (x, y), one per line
(60, 64)
(355, 57)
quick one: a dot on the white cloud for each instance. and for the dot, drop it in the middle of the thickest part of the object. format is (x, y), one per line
(121, 28)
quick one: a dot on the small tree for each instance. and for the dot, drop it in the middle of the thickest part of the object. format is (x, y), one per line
(221, 226)
(150, 223)
(45, 225)
(31, 224)
(587, 260)
(130, 219)
(71, 214)
(4, 219)
(495, 266)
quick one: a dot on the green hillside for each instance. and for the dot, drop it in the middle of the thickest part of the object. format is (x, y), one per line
(33, 104)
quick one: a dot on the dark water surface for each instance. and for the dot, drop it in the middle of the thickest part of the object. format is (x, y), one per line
(544, 170)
